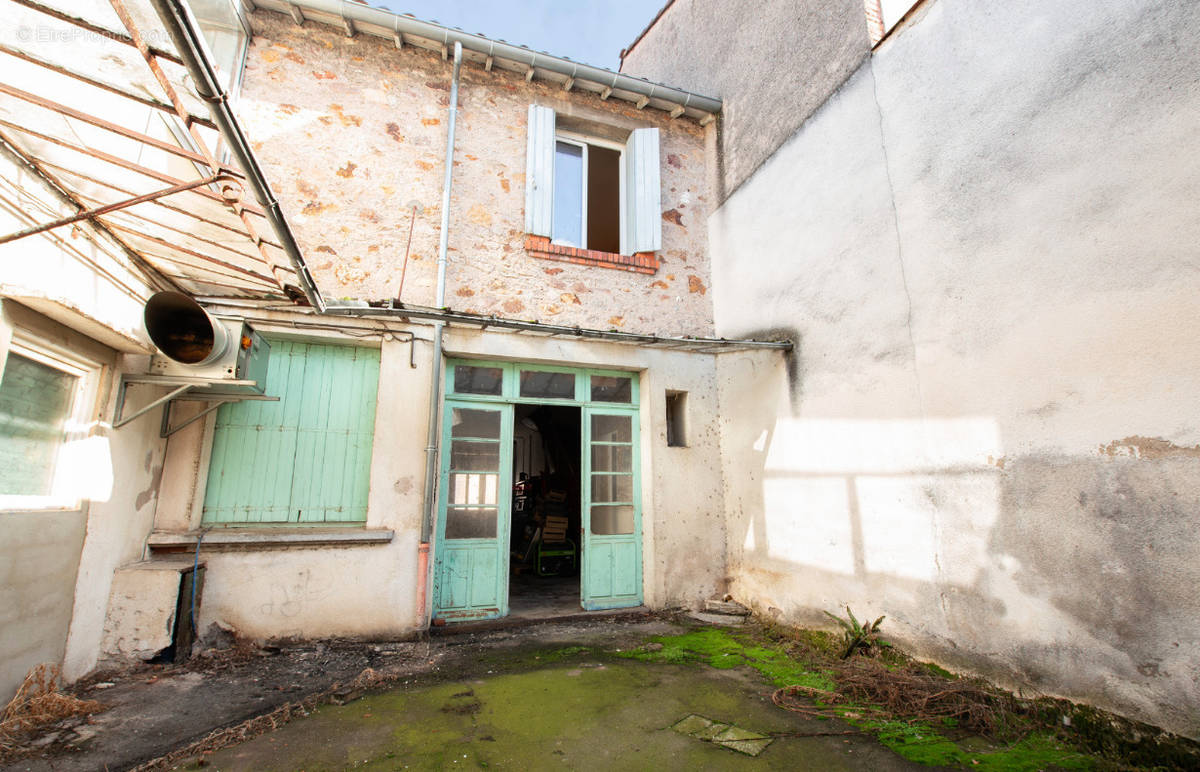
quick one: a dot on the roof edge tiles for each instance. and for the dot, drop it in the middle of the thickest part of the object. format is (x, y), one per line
(354, 18)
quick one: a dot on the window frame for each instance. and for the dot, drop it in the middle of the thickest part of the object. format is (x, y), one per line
(582, 141)
(79, 419)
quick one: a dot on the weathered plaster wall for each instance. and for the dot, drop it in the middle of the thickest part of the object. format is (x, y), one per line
(55, 565)
(369, 590)
(984, 245)
(772, 64)
(361, 590)
(117, 527)
(351, 131)
(39, 555)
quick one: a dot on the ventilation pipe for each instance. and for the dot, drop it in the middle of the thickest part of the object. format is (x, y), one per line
(435, 388)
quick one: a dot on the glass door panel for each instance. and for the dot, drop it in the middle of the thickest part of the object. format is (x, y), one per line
(612, 554)
(471, 564)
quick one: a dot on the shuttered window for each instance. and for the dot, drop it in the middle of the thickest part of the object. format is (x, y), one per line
(307, 458)
(639, 204)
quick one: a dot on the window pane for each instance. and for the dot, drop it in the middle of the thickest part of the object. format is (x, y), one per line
(469, 379)
(549, 385)
(478, 489)
(475, 423)
(470, 523)
(34, 403)
(611, 388)
(612, 428)
(609, 521)
(568, 194)
(612, 487)
(474, 456)
(612, 458)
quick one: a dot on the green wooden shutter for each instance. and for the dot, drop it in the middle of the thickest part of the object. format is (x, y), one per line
(307, 457)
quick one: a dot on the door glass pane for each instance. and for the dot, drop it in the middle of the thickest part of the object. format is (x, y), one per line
(470, 522)
(474, 489)
(474, 456)
(612, 487)
(547, 385)
(483, 424)
(611, 388)
(34, 402)
(469, 379)
(568, 194)
(612, 428)
(610, 521)
(612, 458)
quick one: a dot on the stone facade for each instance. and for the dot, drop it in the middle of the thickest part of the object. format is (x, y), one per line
(352, 132)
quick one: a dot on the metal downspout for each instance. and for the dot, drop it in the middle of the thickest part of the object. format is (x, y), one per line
(435, 387)
(189, 41)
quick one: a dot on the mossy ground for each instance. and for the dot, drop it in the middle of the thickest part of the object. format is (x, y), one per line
(610, 704)
(804, 658)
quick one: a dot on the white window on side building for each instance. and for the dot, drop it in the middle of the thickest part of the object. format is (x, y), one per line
(46, 398)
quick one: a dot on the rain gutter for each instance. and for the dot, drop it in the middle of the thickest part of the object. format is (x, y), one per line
(353, 13)
(185, 33)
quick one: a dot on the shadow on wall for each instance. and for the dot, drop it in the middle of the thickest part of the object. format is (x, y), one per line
(1071, 576)
(791, 359)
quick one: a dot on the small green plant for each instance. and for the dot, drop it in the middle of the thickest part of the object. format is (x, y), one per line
(858, 637)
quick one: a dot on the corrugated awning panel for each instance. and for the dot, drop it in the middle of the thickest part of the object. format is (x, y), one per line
(106, 121)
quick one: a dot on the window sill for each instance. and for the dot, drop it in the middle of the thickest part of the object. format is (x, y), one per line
(253, 538)
(639, 262)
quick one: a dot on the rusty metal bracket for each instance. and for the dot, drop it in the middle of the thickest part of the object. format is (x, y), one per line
(90, 213)
(189, 389)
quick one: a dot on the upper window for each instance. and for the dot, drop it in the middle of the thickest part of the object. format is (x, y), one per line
(227, 35)
(589, 193)
(43, 406)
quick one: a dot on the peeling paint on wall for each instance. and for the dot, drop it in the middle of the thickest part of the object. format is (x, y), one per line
(1150, 448)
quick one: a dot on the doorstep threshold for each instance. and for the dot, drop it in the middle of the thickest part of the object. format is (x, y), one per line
(509, 622)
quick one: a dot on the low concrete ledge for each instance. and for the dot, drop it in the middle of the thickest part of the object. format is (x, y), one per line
(256, 538)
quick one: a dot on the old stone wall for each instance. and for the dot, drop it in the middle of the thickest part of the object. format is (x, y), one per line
(352, 132)
(984, 245)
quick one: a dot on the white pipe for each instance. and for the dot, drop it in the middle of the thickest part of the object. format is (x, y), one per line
(435, 387)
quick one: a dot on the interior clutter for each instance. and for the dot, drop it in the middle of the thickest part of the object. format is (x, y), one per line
(546, 536)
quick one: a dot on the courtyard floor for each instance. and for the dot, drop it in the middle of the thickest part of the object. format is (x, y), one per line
(637, 691)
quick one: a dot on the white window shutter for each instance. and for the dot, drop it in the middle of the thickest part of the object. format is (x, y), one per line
(539, 172)
(643, 194)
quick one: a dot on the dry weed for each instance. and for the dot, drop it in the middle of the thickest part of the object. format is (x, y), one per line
(910, 692)
(38, 703)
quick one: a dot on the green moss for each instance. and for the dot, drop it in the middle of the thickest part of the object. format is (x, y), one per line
(568, 652)
(720, 649)
(772, 653)
(921, 743)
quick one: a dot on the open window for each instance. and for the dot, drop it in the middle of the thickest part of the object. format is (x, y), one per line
(592, 193)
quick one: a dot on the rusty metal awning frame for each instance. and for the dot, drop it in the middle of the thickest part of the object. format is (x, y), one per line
(180, 216)
(387, 311)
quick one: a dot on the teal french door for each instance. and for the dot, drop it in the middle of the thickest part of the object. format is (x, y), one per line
(612, 512)
(471, 563)
(475, 498)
